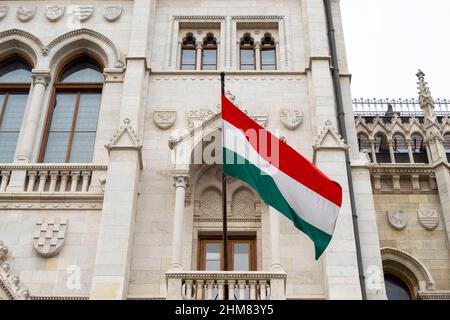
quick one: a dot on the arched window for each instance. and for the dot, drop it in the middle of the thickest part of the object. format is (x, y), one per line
(247, 53)
(396, 288)
(72, 121)
(447, 145)
(400, 148)
(15, 82)
(418, 148)
(268, 53)
(188, 53)
(382, 149)
(209, 52)
(363, 143)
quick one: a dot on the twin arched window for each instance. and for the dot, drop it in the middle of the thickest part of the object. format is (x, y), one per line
(189, 51)
(15, 82)
(267, 53)
(72, 121)
(71, 124)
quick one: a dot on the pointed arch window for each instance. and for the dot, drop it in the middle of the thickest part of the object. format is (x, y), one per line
(72, 120)
(15, 83)
(209, 52)
(247, 52)
(268, 53)
(188, 53)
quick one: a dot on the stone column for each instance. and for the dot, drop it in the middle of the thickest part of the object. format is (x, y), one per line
(181, 180)
(257, 56)
(391, 150)
(410, 151)
(28, 131)
(198, 60)
(374, 153)
(32, 116)
(275, 240)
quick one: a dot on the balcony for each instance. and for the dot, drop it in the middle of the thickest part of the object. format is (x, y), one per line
(203, 285)
(51, 182)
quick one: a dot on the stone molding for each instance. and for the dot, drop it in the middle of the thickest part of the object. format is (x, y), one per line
(434, 295)
(226, 275)
(412, 264)
(329, 138)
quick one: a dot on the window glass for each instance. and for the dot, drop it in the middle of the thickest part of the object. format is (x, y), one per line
(209, 59)
(15, 71)
(241, 257)
(82, 72)
(396, 289)
(188, 59)
(247, 59)
(212, 257)
(268, 59)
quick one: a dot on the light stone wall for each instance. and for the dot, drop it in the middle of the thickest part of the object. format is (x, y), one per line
(50, 276)
(429, 247)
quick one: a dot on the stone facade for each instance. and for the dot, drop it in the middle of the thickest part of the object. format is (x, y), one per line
(136, 213)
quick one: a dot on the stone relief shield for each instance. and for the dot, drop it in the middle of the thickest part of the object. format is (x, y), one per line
(54, 13)
(25, 14)
(83, 13)
(3, 12)
(164, 119)
(397, 219)
(428, 218)
(112, 13)
(49, 236)
(291, 118)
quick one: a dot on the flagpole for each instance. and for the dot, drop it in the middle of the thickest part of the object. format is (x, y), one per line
(224, 201)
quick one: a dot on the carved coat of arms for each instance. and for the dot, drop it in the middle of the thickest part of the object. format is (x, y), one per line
(112, 13)
(49, 236)
(397, 219)
(25, 14)
(164, 119)
(3, 12)
(291, 118)
(196, 117)
(429, 219)
(54, 13)
(82, 13)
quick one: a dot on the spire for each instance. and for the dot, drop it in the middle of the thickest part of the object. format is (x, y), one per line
(425, 98)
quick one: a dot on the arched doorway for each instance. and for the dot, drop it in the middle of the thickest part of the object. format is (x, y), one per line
(396, 288)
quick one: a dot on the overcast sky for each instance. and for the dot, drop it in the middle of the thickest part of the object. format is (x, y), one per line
(389, 40)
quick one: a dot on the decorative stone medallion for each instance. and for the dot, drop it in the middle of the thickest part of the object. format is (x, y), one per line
(397, 219)
(112, 13)
(54, 13)
(291, 118)
(49, 236)
(428, 218)
(164, 119)
(3, 12)
(25, 14)
(83, 13)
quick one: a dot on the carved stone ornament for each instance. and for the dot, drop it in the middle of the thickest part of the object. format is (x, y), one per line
(291, 118)
(83, 13)
(429, 219)
(164, 119)
(112, 13)
(54, 13)
(196, 117)
(25, 14)
(397, 219)
(3, 12)
(329, 138)
(49, 236)
(10, 283)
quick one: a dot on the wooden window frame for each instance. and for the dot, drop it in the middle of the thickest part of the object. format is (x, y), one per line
(11, 88)
(247, 47)
(267, 48)
(201, 262)
(209, 47)
(76, 88)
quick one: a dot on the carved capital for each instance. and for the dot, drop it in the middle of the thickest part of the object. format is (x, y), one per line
(181, 180)
(41, 77)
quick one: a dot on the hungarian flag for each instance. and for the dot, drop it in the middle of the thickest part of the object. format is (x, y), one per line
(283, 178)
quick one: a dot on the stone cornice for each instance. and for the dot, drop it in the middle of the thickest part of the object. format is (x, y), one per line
(401, 169)
(228, 72)
(225, 275)
(258, 17)
(199, 17)
(53, 166)
(434, 295)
